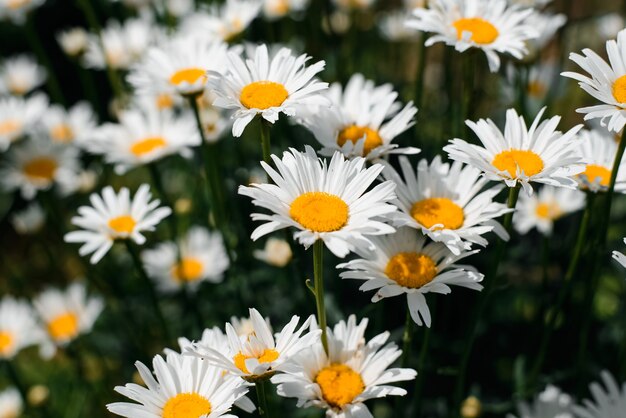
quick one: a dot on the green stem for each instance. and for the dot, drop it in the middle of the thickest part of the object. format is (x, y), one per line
(318, 265)
(265, 142)
(262, 399)
(522, 89)
(419, 382)
(407, 338)
(609, 195)
(158, 185)
(421, 66)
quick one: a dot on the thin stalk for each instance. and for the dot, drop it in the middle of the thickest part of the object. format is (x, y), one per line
(158, 185)
(609, 195)
(421, 66)
(522, 89)
(318, 265)
(262, 399)
(407, 338)
(421, 374)
(467, 63)
(265, 142)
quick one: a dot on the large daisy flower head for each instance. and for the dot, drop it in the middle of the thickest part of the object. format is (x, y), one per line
(75, 125)
(361, 121)
(620, 257)
(203, 258)
(598, 148)
(17, 10)
(403, 263)
(522, 155)
(11, 404)
(551, 403)
(489, 25)
(266, 85)
(259, 355)
(18, 327)
(19, 117)
(66, 314)
(326, 201)
(606, 82)
(20, 75)
(225, 21)
(181, 386)
(543, 209)
(354, 371)
(447, 202)
(608, 401)
(113, 216)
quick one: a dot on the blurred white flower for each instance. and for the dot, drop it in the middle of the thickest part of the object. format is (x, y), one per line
(19, 117)
(547, 24)
(276, 252)
(75, 125)
(21, 74)
(544, 208)
(598, 147)
(225, 21)
(393, 27)
(608, 401)
(11, 403)
(17, 10)
(275, 9)
(73, 41)
(29, 220)
(551, 403)
(18, 329)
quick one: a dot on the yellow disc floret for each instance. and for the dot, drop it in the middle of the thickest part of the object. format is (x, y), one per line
(438, 211)
(412, 270)
(619, 89)
(527, 161)
(339, 384)
(319, 211)
(122, 224)
(597, 173)
(186, 405)
(263, 95)
(354, 133)
(40, 169)
(188, 75)
(483, 32)
(147, 145)
(269, 355)
(6, 343)
(63, 327)
(188, 270)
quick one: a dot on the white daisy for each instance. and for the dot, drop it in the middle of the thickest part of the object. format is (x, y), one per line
(74, 125)
(323, 201)
(17, 10)
(354, 371)
(392, 26)
(598, 148)
(18, 328)
(551, 403)
(114, 216)
(20, 75)
(619, 257)
(29, 220)
(266, 86)
(606, 82)
(276, 252)
(19, 117)
(11, 404)
(182, 386)
(225, 21)
(520, 155)
(73, 41)
(361, 121)
(259, 354)
(490, 25)
(66, 314)
(244, 326)
(446, 202)
(275, 9)
(180, 8)
(547, 24)
(608, 401)
(203, 258)
(544, 208)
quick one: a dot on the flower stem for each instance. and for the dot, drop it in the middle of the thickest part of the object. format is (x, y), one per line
(421, 65)
(265, 142)
(419, 382)
(407, 338)
(262, 398)
(158, 185)
(318, 265)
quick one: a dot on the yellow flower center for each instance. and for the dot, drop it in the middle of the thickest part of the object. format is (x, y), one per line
(64, 326)
(42, 168)
(280, 7)
(319, 211)
(17, 4)
(6, 343)
(188, 75)
(412, 270)
(594, 172)
(549, 211)
(164, 101)
(186, 405)
(268, 356)
(10, 127)
(619, 89)
(122, 224)
(263, 95)
(18, 87)
(147, 145)
(438, 211)
(188, 270)
(536, 89)
(62, 133)
(528, 162)
(339, 384)
(354, 133)
(482, 31)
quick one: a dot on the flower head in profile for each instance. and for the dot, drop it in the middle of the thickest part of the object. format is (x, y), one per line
(19, 117)
(543, 209)
(17, 10)
(521, 155)
(490, 25)
(266, 85)
(18, 328)
(75, 125)
(276, 252)
(608, 401)
(605, 82)
(20, 75)
(114, 216)
(551, 403)
(327, 201)
(620, 257)
(73, 41)
(11, 404)
(403, 263)
(598, 148)
(224, 22)
(354, 370)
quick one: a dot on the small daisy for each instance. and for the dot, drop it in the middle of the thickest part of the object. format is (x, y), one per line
(19, 117)
(20, 75)
(354, 371)
(66, 314)
(361, 121)
(490, 25)
(404, 264)
(115, 216)
(598, 148)
(520, 155)
(18, 328)
(266, 85)
(181, 386)
(74, 125)
(277, 252)
(544, 208)
(446, 202)
(276, 9)
(606, 82)
(551, 403)
(17, 10)
(38, 164)
(619, 257)
(224, 22)
(203, 258)
(259, 354)
(393, 26)
(608, 401)
(73, 41)
(29, 221)
(11, 404)
(326, 201)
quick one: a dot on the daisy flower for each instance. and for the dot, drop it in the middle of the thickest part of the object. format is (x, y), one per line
(392, 26)
(114, 216)
(403, 263)
(547, 24)
(606, 82)
(203, 258)
(275, 9)
(608, 401)
(73, 41)
(19, 117)
(598, 148)
(20, 75)
(144, 135)
(266, 85)
(182, 386)
(17, 10)
(226, 21)
(361, 121)
(244, 326)
(38, 164)
(18, 328)
(446, 202)
(619, 257)
(65, 126)
(551, 403)
(544, 208)
(29, 220)
(540, 154)
(326, 201)
(489, 25)
(354, 371)
(66, 314)
(276, 252)
(260, 354)
(11, 404)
